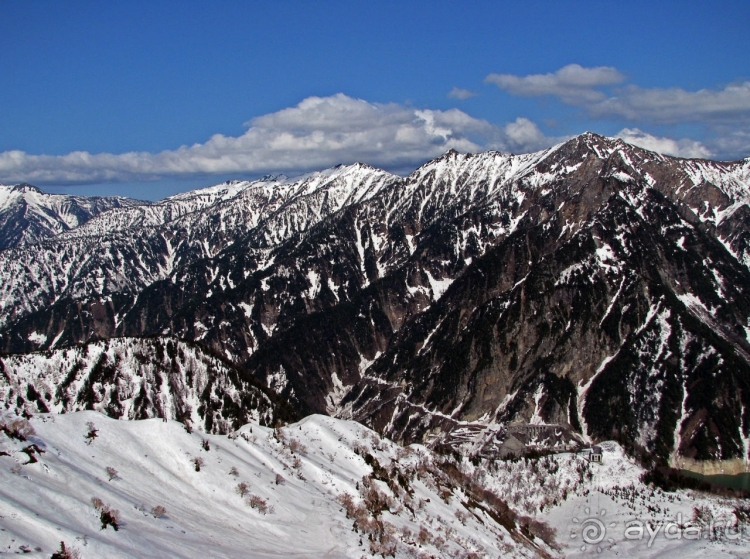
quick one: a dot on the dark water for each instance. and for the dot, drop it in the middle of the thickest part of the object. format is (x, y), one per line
(736, 481)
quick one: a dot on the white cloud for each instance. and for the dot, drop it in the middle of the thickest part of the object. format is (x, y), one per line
(678, 148)
(592, 89)
(524, 135)
(573, 83)
(317, 133)
(460, 93)
(678, 105)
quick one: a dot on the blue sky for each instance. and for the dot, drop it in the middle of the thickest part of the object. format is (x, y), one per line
(145, 99)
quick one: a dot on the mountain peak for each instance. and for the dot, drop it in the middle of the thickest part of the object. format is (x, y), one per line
(25, 187)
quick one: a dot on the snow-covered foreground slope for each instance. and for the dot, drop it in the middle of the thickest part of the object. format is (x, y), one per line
(297, 472)
(404, 501)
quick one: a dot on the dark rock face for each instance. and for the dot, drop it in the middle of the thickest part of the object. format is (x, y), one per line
(595, 286)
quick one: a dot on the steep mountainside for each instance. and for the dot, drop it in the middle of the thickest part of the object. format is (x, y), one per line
(139, 379)
(28, 215)
(594, 285)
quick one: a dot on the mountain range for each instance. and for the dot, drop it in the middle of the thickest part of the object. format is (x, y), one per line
(594, 286)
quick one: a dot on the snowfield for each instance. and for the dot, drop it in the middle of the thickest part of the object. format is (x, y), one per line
(280, 493)
(44, 503)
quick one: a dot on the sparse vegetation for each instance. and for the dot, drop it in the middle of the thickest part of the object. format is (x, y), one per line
(107, 515)
(158, 511)
(259, 504)
(66, 552)
(92, 434)
(297, 447)
(242, 489)
(112, 473)
(17, 428)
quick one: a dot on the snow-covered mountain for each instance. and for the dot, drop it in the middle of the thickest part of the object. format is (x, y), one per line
(595, 286)
(28, 215)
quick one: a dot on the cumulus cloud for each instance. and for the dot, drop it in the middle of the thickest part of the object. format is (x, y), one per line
(678, 148)
(460, 93)
(573, 83)
(317, 133)
(524, 135)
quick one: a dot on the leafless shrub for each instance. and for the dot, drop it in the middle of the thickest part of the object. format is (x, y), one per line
(242, 489)
(386, 546)
(296, 463)
(279, 435)
(233, 471)
(297, 447)
(357, 512)
(66, 552)
(206, 445)
(111, 473)
(424, 537)
(97, 503)
(158, 511)
(462, 516)
(198, 462)
(376, 501)
(445, 494)
(17, 428)
(109, 517)
(92, 433)
(258, 503)
(279, 479)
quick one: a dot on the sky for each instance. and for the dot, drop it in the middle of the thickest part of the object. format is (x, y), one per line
(146, 99)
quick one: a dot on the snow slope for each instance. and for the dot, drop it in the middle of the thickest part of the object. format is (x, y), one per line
(300, 473)
(314, 461)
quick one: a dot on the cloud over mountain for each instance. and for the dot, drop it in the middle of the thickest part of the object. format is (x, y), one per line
(678, 148)
(317, 132)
